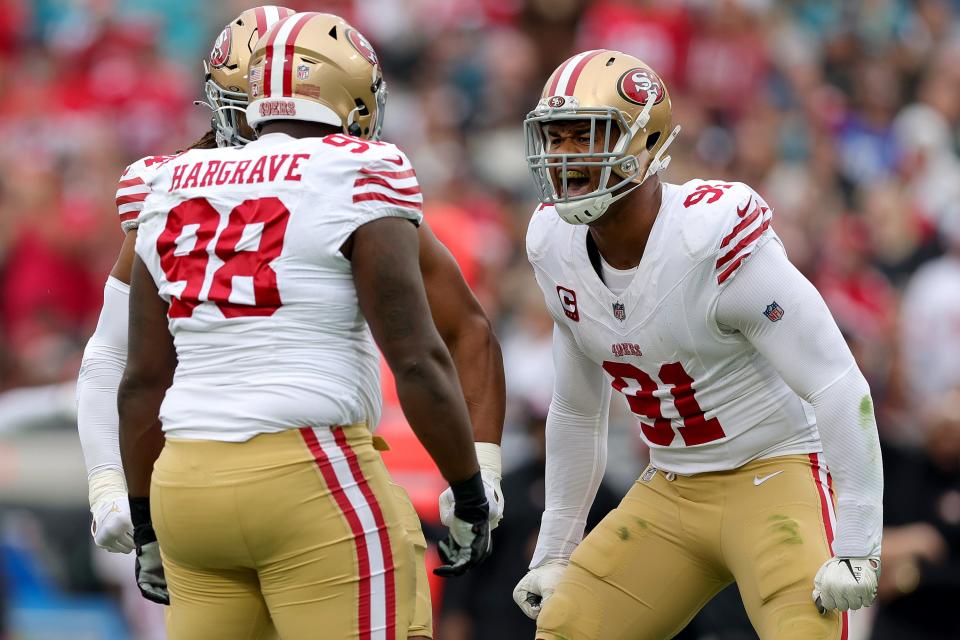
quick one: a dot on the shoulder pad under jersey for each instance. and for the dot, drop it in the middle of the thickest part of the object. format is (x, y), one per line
(723, 222)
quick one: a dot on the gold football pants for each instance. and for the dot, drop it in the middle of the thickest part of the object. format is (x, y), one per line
(300, 530)
(675, 541)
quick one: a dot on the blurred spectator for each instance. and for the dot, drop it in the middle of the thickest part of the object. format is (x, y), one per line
(656, 31)
(921, 539)
(930, 323)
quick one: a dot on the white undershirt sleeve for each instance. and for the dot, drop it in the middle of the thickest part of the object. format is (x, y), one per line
(100, 371)
(576, 448)
(808, 351)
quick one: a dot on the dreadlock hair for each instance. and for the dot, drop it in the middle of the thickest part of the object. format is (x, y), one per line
(206, 141)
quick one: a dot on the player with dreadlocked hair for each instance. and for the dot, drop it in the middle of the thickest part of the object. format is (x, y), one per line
(106, 351)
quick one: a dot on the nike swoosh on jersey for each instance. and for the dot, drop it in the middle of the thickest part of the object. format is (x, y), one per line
(758, 480)
(397, 161)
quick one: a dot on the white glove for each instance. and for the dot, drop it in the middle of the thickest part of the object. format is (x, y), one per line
(846, 583)
(111, 527)
(465, 546)
(488, 455)
(538, 585)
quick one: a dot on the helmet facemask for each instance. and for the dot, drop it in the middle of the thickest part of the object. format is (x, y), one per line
(229, 113)
(620, 172)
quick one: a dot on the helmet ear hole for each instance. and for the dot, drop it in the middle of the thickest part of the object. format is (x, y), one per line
(652, 140)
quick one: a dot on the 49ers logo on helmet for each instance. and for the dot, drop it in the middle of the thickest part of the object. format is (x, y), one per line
(637, 85)
(221, 48)
(362, 45)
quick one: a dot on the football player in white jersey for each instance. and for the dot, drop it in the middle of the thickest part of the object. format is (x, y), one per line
(680, 298)
(106, 351)
(263, 276)
(456, 312)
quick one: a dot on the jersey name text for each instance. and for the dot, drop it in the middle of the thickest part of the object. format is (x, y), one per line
(207, 173)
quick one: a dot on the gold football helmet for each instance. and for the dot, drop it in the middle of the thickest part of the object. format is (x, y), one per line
(316, 67)
(226, 72)
(628, 108)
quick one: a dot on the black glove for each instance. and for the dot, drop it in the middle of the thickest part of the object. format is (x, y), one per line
(149, 569)
(468, 541)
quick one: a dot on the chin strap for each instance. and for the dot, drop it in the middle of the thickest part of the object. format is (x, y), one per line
(659, 162)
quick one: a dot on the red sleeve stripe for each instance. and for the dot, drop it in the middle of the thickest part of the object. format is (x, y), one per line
(135, 197)
(743, 224)
(381, 197)
(132, 182)
(124, 217)
(745, 241)
(731, 269)
(404, 191)
(397, 175)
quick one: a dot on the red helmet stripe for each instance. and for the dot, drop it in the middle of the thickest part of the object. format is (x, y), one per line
(577, 70)
(261, 14)
(268, 67)
(556, 79)
(276, 53)
(288, 53)
(564, 79)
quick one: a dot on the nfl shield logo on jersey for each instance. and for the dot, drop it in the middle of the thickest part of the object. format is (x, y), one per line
(619, 311)
(773, 311)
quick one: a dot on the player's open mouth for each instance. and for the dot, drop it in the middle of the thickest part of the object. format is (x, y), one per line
(578, 182)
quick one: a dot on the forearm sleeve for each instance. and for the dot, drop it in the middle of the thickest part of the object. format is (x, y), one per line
(100, 371)
(807, 350)
(576, 448)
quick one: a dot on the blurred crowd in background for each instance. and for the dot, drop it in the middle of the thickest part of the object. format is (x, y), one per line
(843, 115)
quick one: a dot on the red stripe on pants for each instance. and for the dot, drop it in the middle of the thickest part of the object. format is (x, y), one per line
(363, 560)
(389, 577)
(825, 511)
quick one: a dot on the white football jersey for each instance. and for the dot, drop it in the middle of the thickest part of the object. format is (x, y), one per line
(244, 245)
(705, 398)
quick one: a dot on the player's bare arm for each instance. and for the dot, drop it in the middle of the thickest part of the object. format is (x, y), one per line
(475, 351)
(151, 361)
(124, 264)
(392, 298)
(466, 331)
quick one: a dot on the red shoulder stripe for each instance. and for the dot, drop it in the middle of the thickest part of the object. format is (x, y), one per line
(360, 197)
(727, 257)
(132, 182)
(743, 224)
(397, 175)
(404, 191)
(136, 197)
(733, 267)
